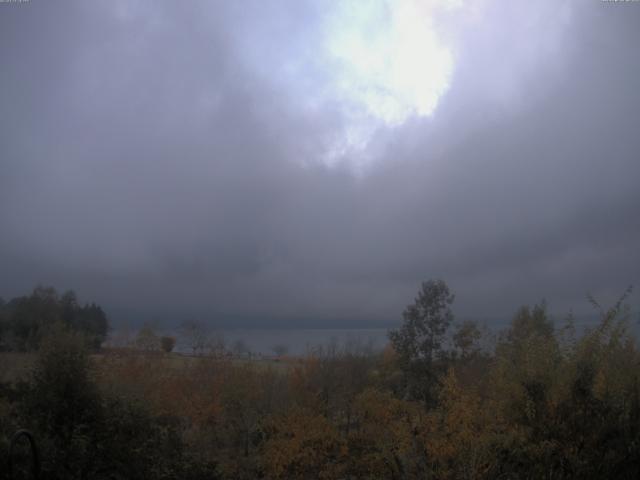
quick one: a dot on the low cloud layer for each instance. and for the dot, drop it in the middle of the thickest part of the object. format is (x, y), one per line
(194, 159)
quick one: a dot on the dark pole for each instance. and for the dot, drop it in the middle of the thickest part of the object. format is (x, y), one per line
(35, 465)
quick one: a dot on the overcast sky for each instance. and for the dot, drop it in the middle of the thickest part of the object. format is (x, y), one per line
(311, 159)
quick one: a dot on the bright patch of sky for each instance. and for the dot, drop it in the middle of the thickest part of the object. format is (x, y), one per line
(389, 56)
(376, 63)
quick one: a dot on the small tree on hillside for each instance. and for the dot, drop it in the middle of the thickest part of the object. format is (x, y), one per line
(240, 348)
(195, 336)
(147, 339)
(167, 344)
(418, 342)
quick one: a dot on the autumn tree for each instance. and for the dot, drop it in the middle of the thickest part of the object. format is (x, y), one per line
(458, 433)
(528, 323)
(466, 338)
(301, 445)
(382, 443)
(147, 339)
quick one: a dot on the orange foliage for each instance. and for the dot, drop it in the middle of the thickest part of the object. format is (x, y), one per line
(455, 435)
(302, 445)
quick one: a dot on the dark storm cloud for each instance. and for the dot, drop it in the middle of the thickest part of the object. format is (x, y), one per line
(165, 156)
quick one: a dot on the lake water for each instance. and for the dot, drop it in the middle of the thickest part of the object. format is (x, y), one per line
(302, 341)
(299, 342)
(265, 341)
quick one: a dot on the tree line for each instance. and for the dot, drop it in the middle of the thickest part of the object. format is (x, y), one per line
(541, 401)
(26, 320)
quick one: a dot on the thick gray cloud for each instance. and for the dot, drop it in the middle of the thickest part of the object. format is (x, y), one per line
(163, 156)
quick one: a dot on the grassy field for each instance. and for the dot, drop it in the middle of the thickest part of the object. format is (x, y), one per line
(15, 366)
